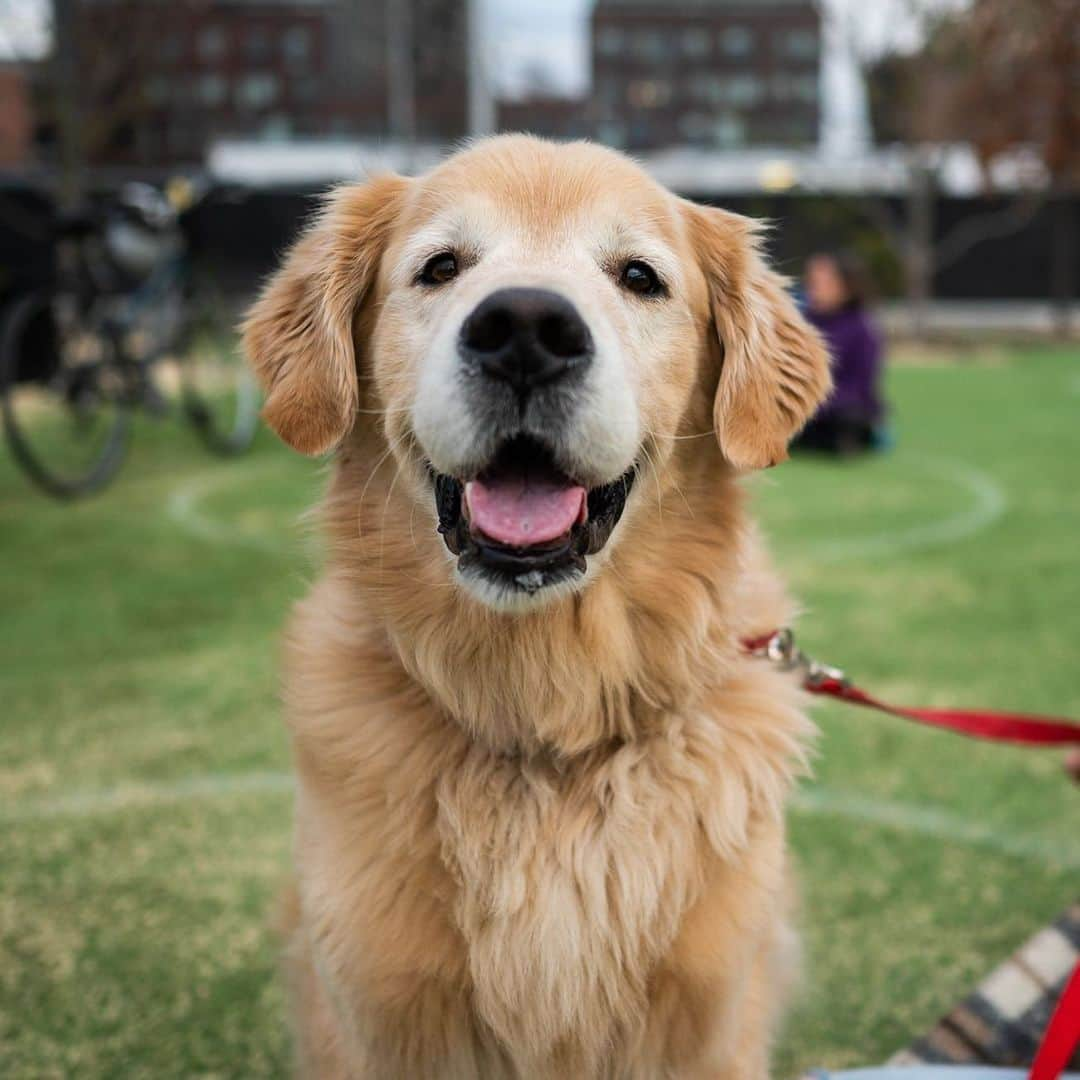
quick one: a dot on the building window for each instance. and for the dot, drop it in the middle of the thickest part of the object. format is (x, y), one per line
(212, 43)
(610, 41)
(212, 90)
(745, 90)
(737, 41)
(257, 91)
(277, 128)
(806, 88)
(729, 131)
(695, 126)
(799, 44)
(296, 44)
(257, 45)
(611, 91)
(801, 88)
(707, 88)
(741, 91)
(650, 45)
(695, 42)
(170, 49)
(648, 93)
(305, 89)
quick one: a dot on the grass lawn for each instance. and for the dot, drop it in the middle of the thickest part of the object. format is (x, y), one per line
(144, 817)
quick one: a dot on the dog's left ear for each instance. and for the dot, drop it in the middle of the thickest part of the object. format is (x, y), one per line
(775, 368)
(299, 336)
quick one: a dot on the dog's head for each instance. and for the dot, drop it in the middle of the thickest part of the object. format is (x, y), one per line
(531, 325)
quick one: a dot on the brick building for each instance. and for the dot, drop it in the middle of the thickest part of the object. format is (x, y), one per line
(16, 123)
(718, 74)
(164, 80)
(552, 116)
(438, 64)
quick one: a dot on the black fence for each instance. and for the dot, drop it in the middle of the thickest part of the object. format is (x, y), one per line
(1009, 248)
(243, 233)
(26, 239)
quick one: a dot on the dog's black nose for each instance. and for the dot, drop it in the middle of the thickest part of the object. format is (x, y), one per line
(525, 337)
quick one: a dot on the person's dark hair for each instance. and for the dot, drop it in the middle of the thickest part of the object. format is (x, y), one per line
(855, 275)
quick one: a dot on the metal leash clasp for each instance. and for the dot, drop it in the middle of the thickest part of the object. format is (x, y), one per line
(781, 650)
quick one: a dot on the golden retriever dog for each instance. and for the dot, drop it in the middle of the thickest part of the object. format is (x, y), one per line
(540, 788)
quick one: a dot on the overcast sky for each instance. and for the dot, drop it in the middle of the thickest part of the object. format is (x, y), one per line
(527, 36)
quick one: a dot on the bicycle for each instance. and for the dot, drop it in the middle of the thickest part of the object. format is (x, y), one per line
(78, 359)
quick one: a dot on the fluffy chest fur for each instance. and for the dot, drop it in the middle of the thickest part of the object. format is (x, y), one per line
(549, 889)
(572, 880)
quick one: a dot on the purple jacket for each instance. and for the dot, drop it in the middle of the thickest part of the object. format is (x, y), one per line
(855, 347)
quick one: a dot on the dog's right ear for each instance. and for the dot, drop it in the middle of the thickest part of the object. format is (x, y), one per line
(299, 335)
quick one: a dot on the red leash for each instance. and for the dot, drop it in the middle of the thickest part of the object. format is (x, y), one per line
(780, 648)
(1063, 1035)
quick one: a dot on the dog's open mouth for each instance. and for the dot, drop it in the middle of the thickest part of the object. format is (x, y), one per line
(522, 521)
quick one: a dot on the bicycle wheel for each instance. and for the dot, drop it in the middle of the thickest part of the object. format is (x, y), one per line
(219, 393)
(66, 412)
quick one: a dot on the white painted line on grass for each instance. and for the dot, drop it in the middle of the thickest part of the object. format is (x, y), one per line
(935, 823)
(185, 509)
(131, 796)
(812, 801)
(184, 506)
(988, 503)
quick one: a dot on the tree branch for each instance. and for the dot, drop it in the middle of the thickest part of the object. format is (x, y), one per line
(971, 232)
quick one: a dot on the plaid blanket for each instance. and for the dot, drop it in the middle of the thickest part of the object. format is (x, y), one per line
(1002, 1021)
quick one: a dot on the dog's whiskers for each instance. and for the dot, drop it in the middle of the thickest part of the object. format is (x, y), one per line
(674, 437)
(382, 520)
(371, 476)
(412, 526)
(652, 434)
(679, 438)
(656, 480)
(384, 412)
(386, 502)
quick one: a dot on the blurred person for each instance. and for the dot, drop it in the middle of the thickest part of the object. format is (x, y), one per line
(836, 295)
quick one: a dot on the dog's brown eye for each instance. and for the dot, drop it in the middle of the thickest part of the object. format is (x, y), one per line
(640, 278)
(440, 269)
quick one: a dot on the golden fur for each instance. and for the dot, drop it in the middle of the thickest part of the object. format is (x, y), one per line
(547, 843)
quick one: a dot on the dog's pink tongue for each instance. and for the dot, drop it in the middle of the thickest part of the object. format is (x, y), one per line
(521, 511)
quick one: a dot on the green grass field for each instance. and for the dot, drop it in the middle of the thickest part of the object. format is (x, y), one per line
(144, 817)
